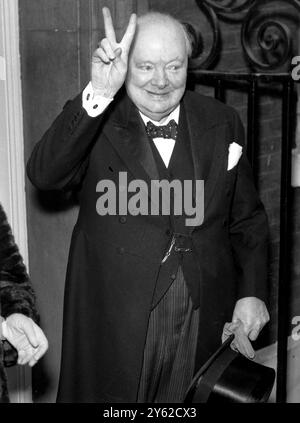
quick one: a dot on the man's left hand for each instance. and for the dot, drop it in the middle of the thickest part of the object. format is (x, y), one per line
(253, 313)
(26, 336)
(249, 317)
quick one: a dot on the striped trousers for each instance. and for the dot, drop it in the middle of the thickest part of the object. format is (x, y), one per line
(170, 347)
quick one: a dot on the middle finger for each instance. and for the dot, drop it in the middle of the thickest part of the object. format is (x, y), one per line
(108, 25)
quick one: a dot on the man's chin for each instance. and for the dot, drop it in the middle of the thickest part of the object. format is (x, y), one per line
(159, 107)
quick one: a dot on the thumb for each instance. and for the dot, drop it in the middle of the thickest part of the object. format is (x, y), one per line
(253, 334)
(118, 52)
(5, 333)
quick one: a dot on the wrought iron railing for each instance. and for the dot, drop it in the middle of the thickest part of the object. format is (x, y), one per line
(265, 32)
(267, 45)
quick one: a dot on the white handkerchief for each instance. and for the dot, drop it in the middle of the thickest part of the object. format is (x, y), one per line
(235, 152)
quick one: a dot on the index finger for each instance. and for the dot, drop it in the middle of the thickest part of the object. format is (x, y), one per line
(108, 25)
(42, 343)
(129, 34)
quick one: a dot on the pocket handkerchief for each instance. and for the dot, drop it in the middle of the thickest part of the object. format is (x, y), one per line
(235, 152)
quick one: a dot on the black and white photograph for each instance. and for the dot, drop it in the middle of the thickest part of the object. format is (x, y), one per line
(149, 205)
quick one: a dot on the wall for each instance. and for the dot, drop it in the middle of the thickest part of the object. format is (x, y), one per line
(12, 178)
(4, 171)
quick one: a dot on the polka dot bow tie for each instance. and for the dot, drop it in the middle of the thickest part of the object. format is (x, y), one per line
(165, 131)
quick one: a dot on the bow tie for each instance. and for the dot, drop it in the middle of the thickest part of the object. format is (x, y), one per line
(165, 131)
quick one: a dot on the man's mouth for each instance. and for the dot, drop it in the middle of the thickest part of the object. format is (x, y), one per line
(159, 95)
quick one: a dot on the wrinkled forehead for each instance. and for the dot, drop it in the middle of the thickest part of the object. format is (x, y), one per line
(159, 39)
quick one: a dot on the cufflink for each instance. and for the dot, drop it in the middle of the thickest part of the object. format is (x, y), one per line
(2, 338)
(93, 104)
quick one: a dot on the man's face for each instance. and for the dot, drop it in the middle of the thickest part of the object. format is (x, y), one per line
(157, 70)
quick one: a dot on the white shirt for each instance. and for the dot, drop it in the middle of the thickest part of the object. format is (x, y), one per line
(165, 146)
(96, 104)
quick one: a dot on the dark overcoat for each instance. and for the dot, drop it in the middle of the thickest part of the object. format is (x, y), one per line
(114, 260)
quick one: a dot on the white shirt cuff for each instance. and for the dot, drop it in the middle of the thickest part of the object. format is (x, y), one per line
(1, 328)
(94, 104)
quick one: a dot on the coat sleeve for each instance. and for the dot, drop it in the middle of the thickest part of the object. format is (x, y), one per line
(16, 292)
(248, 228)
(60, 158)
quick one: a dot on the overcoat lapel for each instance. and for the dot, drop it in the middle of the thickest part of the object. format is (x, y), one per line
(126, 132)
(208, 151)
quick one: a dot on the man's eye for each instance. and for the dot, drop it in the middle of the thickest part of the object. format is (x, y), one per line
(173, 67)
(146, 67)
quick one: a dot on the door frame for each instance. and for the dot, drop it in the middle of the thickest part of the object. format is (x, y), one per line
(12, 187)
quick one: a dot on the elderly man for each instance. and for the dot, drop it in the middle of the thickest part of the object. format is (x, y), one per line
(147, 294)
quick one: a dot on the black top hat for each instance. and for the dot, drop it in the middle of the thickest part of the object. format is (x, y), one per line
(228, 377)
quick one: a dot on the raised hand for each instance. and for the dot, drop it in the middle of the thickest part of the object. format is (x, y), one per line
(110, 60)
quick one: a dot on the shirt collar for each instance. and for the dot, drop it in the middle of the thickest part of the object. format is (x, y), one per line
(173, 115)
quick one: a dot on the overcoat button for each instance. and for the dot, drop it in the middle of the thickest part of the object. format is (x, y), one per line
(173, 276)
(123, 219)
(121, 250)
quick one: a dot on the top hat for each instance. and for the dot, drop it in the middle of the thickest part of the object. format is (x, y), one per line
(229, 377)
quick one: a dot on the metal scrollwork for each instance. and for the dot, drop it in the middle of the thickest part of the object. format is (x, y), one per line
(265, 35)
(232, 6)
(201, 59)
(272, 38)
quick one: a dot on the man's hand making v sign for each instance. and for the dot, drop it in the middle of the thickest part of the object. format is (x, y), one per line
(110, 60)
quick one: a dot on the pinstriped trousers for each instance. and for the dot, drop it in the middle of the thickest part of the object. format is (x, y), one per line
(170, 348)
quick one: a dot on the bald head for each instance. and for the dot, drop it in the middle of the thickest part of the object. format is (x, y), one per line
(158, 61)
(157, 19)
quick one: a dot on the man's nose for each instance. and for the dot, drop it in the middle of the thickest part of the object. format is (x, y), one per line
(160, 78)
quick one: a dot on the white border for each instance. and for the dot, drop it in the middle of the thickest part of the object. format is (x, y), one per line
(16, 178)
